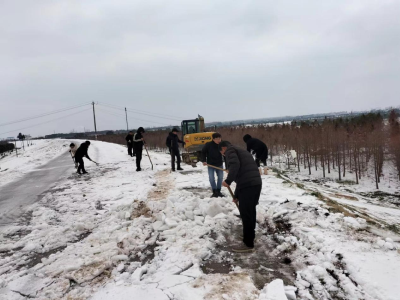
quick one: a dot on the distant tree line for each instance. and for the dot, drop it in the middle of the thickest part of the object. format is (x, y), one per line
(352, 144)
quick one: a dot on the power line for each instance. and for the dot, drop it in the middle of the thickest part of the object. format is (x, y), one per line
(154, 113)
(47, 121)
(136, 111)
(43, 115)
(103, 110)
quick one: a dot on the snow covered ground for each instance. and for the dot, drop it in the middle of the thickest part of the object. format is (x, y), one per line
(32, 157)
(119, 234)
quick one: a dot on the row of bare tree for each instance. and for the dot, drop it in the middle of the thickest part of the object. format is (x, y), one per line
(356, 145)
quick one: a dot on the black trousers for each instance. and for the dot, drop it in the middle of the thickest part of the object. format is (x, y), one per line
(175, 153)
(138, 157)
(81, 164)
(130, 148)
(262, 158)
(248, 200)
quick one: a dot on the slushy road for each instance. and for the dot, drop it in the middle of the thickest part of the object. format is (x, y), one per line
(17, 195)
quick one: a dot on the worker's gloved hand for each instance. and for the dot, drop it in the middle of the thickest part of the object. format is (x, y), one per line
(225, 184)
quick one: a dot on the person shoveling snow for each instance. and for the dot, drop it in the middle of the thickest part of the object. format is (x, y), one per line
(80, 153)
(244, 171)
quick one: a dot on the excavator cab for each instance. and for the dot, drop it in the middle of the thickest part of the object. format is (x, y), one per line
(194, 136)
(192, 126)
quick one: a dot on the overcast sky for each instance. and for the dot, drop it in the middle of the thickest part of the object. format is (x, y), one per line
(222, 59)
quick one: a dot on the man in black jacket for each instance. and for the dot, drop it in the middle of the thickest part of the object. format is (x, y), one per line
(258, 147)
(244, 171)
(80, 154)
(211, 155)
(173, 146)
(138, 142)
(129, 142)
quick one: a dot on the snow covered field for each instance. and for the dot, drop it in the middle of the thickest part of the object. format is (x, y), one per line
(119, 234)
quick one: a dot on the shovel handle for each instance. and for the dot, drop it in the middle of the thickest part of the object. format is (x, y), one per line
(148, 155)
(233, 196)
(211, 166)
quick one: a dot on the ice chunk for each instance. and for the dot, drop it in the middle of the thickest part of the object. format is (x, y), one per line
(351, 222)
(194, 271)
(157, 225)
(137, 275)
(380, 243)
(290, 292)
(322, 224)
(214, 209)
(30, 247)
(273, 291)
(280, 213)
(389, 246)
(389, 240)
(28, 285)
(290, 205)
(199, 220)
(119, 257)
(220, 216)
(189, 215)
(170, 223)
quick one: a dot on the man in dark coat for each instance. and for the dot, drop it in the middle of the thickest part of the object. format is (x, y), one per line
(258, 147)
(129, 143)
(210, 155)
(173, 146)
(244, 171)
(80, 154)
(138, 142)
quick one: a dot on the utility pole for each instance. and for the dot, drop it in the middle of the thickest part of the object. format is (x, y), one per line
(126, 116)
(94, 118)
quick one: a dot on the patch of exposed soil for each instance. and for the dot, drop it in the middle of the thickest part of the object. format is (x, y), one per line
(140, 209)
(190, 171)
(228, 286)
(146, 255)
(262, 264)
(162, 186)
(348, 197)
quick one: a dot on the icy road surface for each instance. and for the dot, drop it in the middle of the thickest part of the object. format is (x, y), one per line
(17, 195)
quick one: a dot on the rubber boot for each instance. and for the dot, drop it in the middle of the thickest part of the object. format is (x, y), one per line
(215, 194)
(219, 194)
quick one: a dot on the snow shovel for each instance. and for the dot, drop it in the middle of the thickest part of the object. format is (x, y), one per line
(211, 166)
(76, 165)
(233, 197)
(145, 147)
(94, 162)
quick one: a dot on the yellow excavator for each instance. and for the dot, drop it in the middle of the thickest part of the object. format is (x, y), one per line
(194, 136)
